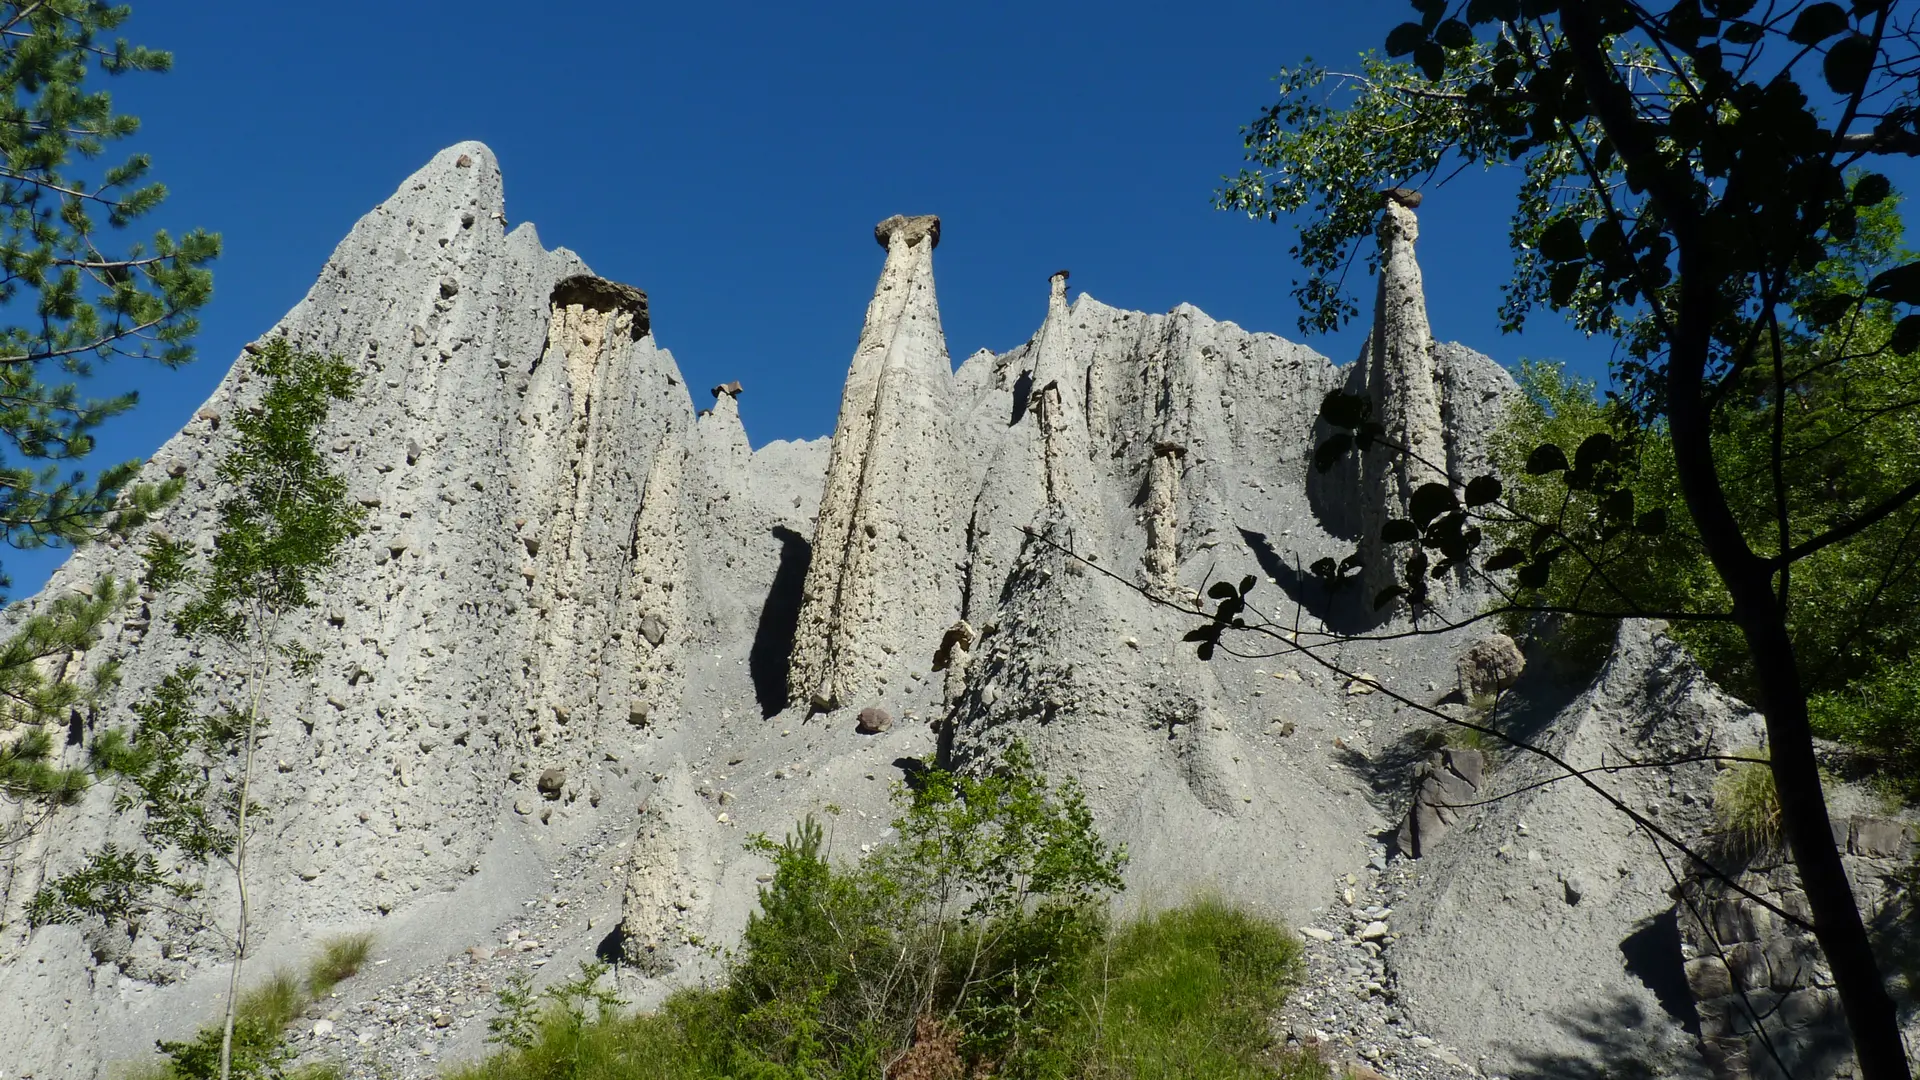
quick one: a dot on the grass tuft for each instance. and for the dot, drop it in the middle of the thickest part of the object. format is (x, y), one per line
(1746, 805)
(340, 959)
(1187, 992)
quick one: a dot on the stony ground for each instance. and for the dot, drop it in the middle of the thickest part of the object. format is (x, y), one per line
(1347, 1009)
(415, 1029)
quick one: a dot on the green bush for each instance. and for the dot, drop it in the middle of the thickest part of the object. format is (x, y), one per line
(982, 929)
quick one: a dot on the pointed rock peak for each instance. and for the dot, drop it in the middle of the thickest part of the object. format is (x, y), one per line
(1400, 379)
(881, 582)
(1057, 292)
(908, 231)
(607, 297)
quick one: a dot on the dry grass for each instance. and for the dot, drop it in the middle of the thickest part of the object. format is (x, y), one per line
(1746, 805)
(340, 959)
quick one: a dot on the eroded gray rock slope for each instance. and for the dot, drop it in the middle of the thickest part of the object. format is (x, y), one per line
(592, 627)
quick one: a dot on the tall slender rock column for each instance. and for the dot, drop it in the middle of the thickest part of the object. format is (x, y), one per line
(1400, 379)
(884, 580)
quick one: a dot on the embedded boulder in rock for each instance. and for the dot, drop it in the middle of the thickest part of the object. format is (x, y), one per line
(1490, 665)
(1445, 786)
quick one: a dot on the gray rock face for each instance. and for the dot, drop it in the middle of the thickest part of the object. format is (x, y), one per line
(1558, 969)
(1446, 786)
(574, 664)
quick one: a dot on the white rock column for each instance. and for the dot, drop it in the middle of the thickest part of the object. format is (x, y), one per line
(1400, 380)
(884, 581)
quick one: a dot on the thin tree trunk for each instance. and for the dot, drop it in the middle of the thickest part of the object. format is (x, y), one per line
(1803, 807)
(240, 869)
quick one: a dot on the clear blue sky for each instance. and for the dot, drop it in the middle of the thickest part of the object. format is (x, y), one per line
(732, 159)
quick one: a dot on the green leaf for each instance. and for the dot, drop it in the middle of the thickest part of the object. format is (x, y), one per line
(1399, 531)
(1871, 190)
(1817, 23)
(1430, 501)
(1618, 505)
(1329, 453)
(1486, 11)
(1503, 559)
(1743, 33)
(1849, 63)
(1343, 410)
(1431, 59)
(1595, 450)
(1453, 34)
(1533, 575)
(1405, 38)
(1906, 336)
(1652, 523)
(1730, 9)
(1900, 284)
(1482, 490)
(1561, 241)
(1562, 283)
(1546, 458)
(1828, 310)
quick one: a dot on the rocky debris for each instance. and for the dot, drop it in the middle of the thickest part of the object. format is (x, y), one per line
(884, 566)
(1445, 787)
(1403, 196)
(1348, 1008)
(377, 1027)
(728, 389)
(1492, 664)
(1566, 909)
(873, 720)
(552, 783)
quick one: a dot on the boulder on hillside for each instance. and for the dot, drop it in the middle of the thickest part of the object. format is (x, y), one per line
(1443, 787)
(1489, 665)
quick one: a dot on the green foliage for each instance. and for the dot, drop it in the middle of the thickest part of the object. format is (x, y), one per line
(33, 697)
(83, 292)
(979, 910)
(184, 767)
(559, 1014)
(1183, 993)
(1188, 992)
(1746, 805)
(287, 514)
